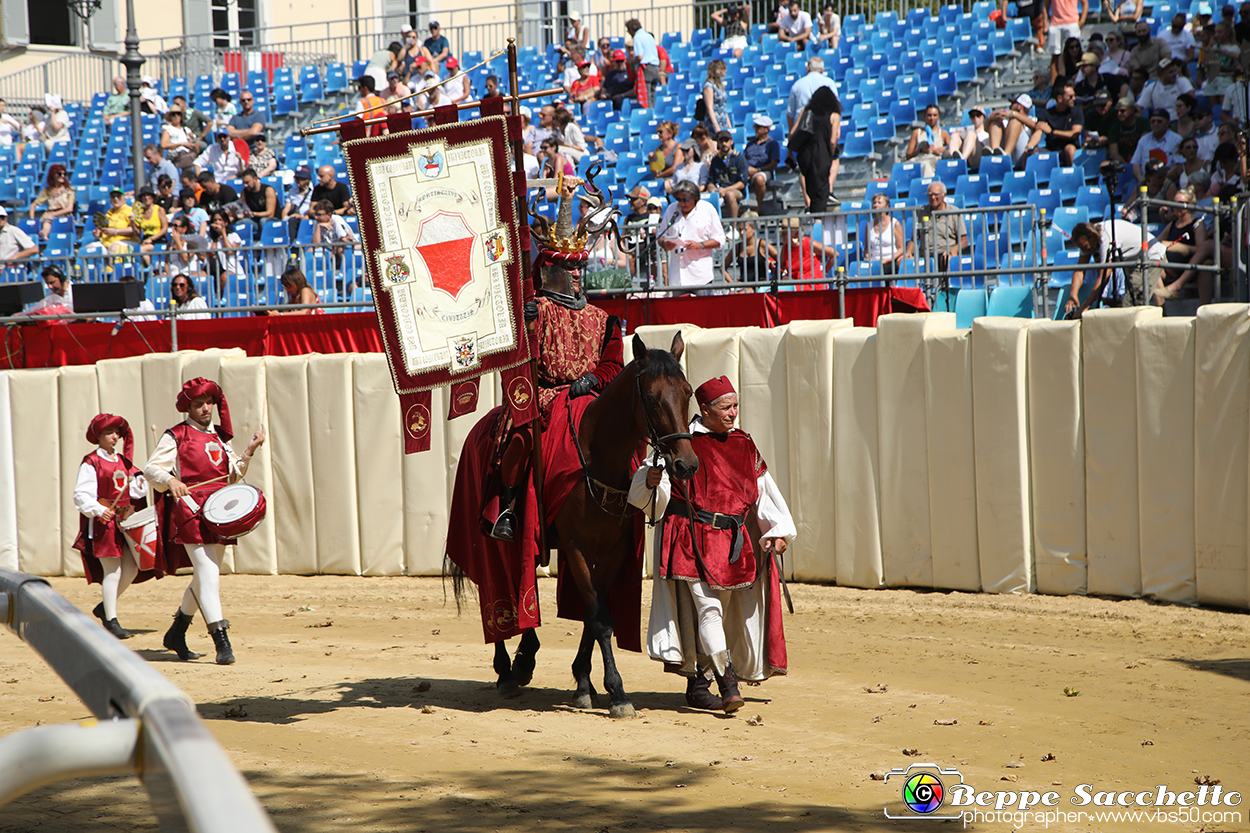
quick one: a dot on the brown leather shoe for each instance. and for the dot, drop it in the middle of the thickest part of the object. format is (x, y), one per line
(731, 699)
(699, 693)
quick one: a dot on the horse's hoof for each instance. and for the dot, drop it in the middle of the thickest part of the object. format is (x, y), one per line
(508, 688)
(523, 668)
(622, 711)
(582, 701)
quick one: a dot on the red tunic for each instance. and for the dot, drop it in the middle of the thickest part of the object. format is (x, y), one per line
(572, 343)
(727, 483)
(201, 457)
(106, 539)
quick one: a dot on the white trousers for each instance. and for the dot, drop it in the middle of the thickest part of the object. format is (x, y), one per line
(205, 588)
(118, 574)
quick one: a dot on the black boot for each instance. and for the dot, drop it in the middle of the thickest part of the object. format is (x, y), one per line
(731, 699)
(217, 630)
(699, 693)
(110, 625)
(505, 525)
(176, 637)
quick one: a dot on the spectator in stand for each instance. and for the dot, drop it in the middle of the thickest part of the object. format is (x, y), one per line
(189, 180)
(60, 297)
(1115, 59)
(586, 87)
(195, 122)
(1062, 125)
(1184, 123)
(15, 244)
(32, 130)
(1089, 81)
(331, 231)
(189, 209)
(748, 257)
(182, 296)
(298, 204)
(56, 127)
(1040, 91)
(829, 27)
(1066, 17)
(1129, 127)
(571, 68)
(381, 62)
(152, 223)
(690, 231)
(691, 169)
(763, 155)
(534, 136)
(223, 244)
(165, 193)
(554, 162)
(798, 257)
(884, 238)
(647, 56)
(9, 128)
(248, 124)
(223, 110)
(437, 46)
(603, 56)
(1190, 167)
(261, 199)
(1011, 129)
(177, 143)
(116, 231)
(802, 91)
(969, 142)
(949, 234)
(929, 143)
(214, 197)
(795, 26)
(1100, 118)
(735, 22)
(1159, 144)
(298, 292)
(617, 85)
(1163, 93)
(414, 60)
(715, 100)
(667, 155)
(705, 144)
(578, 31)
(727, 174)
(573, 142)
(395, 90)
(262, 158)
(222, 158)
(331, 190)
(1179, 40)
(1205, 130)
(157, 164)
(1148, 52)
(56, 199)
(492, 87)
(815, 145)
(1221, 63)
(1227, 173)
(185, 239)
(1124, 11)
(118, 102)
(150, 101)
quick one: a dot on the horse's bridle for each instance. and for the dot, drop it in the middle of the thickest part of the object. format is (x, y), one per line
(657, 441)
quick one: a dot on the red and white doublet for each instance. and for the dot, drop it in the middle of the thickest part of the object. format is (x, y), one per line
(697, 562)
(105, 480)
(193, 455)
(574, 342)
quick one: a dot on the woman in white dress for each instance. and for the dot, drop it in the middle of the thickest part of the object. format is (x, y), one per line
(885, 236)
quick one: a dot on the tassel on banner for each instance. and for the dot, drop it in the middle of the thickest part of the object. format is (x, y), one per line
(354, 129)
(519, 392)
(415, 408)
(492, 106)
(398, 122)
(462, 398)
(447, 114)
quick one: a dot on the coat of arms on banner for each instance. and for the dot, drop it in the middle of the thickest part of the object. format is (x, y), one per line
(396, 269)
(464, 354)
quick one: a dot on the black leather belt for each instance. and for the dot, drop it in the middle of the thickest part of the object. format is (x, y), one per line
(716, 520)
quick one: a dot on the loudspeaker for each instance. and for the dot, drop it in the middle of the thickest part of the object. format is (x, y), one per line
(107, 297)
(15, 296)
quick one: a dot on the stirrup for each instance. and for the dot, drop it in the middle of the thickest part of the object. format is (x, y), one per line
(505, 526)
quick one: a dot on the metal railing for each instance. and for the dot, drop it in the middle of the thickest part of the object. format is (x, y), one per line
(74, 77)
(147, 726)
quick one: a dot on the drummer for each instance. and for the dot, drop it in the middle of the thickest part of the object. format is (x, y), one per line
(109, 489)
(191, 461)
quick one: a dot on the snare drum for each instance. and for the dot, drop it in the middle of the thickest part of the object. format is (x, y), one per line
(141, 529)
(234, 510)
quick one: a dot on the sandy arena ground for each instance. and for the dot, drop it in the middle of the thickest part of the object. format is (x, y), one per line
(329, 715)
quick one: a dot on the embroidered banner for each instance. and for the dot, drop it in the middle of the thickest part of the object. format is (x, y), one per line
(442, 251)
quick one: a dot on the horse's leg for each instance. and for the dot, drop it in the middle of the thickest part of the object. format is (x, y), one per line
(506, 684)
(523, 664)
(620, 703)
(584, 698)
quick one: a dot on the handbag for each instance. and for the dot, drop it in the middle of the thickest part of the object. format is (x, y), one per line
(802, 135)
(700, 110)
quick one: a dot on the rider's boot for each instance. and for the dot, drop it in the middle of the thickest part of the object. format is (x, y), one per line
(505, 525)
(699, 692)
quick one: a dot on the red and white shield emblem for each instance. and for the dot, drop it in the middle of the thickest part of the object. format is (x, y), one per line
(119, 480)
(445, 243)
(216, 454)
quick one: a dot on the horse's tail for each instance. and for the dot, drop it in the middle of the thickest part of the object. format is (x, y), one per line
(459, 582)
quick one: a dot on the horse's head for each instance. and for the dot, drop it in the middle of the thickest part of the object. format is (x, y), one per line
(664, 405)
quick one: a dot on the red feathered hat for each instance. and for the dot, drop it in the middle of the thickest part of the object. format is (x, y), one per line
(104, 422)
(713, 389)
(199, 386)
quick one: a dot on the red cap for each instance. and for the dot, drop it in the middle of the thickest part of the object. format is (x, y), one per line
(618, 55)
(104, 422)
(200, 386)
(713, 389)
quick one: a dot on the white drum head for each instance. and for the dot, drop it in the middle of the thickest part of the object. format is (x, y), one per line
(231, 503)
(140, 518)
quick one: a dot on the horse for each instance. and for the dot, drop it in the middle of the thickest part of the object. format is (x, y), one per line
(648, 400)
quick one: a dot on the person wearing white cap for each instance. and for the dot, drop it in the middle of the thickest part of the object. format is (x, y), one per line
(763, 155)
(14, 243)
(149, 99)
(579, 31)
(1011, 128)
(1163, 93)
(56, 126)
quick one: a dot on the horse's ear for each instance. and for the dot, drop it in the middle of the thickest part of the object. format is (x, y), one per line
(679, 346)
(640, 351)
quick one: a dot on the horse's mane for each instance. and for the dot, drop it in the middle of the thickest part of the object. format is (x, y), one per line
(660, 363)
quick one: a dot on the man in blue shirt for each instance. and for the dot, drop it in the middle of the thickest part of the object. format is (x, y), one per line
(801, 92)
(156, 164)
(438, 45)
(763, 155)
(647, 53)
(727, 174)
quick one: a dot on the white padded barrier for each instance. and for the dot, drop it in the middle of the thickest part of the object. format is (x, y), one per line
(37, 470)
(856, 471)
(811, 496)
(162, 379)
(952, 506)
(1165, 457)
(120, 386)
(902, 441)
(1057, 457)
(764, 411)
(378, 456)
(292, 502)
(8, 483)
(427, 494)
(77, 404)
(244, 381)
(1221, 452)
(332, 429)
(1000, 425)
(1109, 362)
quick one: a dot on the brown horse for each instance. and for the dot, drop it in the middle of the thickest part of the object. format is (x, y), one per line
(649, 399)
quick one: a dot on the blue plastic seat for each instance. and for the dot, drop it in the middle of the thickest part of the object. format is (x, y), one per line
(1041, 165)
(1065, 218)
(1094, 199)
(1067, 181)
(1017, 185)
(970, 187)
(950, 170)
(969, 304)
(994, 168)
(1045, 199)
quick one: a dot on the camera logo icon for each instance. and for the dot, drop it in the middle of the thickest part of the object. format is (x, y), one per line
(923, 791)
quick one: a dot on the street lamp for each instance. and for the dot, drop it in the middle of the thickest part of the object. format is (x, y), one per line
(132, 61)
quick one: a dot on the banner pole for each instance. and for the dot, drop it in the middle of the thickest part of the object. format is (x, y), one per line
(518, 157)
